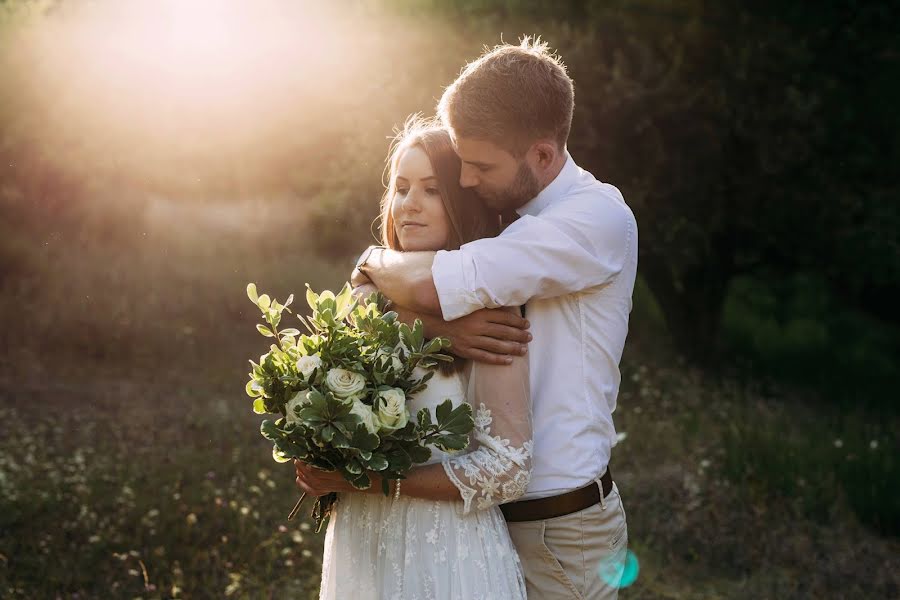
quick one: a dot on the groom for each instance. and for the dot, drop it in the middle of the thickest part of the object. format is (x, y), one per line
(569, 256)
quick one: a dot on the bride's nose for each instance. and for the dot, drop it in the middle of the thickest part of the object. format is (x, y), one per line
(412, 202)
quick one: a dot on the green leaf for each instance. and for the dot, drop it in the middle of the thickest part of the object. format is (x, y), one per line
(419, 454)
(259, 406)
(290, 331)
(406, 336)
(363, 440)
(264, 302)
(418, 334)
(451, 442)
(264, 330)
(311, 298)
(253, 388)
(279, 456)
(443, 412)
(311, 416)
(458, 421)
(344, 301)
(269, 430)
(400, 460)
(362, 482)
(424, 418)
(434, 345)
(251, 292)
(378, 462)
(340, 440)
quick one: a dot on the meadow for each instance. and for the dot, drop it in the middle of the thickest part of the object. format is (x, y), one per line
(131, 464)
(155, 157)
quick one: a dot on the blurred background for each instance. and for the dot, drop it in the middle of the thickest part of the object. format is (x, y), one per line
(155, 157)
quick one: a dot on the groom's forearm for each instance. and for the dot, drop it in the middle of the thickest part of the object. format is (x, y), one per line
(405, 278)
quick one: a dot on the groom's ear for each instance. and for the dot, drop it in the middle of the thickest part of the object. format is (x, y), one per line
(545, 154)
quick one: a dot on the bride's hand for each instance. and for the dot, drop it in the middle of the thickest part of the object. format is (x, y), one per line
(316, 482)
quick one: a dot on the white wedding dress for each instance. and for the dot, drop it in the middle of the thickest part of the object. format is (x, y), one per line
(377, 548)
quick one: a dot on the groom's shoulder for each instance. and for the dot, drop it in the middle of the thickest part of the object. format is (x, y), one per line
(593, 202)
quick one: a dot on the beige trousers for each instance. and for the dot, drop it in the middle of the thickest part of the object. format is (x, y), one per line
(574, 556)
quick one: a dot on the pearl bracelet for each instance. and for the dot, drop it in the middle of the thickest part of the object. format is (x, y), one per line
(397, 489)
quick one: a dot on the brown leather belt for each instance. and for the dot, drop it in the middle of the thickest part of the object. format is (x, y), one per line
(557, 506)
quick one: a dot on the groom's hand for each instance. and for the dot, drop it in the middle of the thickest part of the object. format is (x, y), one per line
(489, 335)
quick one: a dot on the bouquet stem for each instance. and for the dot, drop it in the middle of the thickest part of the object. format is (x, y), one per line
(297, 506)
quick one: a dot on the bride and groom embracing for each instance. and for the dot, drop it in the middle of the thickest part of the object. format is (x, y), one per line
(487, 221)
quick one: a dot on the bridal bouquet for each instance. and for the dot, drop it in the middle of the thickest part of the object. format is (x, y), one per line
(341, 390)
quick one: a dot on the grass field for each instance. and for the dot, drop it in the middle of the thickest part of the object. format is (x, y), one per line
(131, 465)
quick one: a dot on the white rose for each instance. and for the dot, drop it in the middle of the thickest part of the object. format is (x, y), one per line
(364, 411)
(299, 399)
(344, 383)
(307, 364)
(390, 408)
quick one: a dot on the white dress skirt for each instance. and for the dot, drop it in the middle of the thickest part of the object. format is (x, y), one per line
(377, 548)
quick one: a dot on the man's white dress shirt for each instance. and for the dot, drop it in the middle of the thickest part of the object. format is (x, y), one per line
(571, 259)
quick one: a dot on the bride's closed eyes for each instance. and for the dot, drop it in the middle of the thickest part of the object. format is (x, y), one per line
(417, 207)
(401, 189)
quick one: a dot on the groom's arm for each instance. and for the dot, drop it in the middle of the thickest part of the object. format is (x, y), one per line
(490, 336)
(404, 277)
(580, 245)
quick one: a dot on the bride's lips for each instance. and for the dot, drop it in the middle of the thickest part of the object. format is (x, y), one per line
(411, 225)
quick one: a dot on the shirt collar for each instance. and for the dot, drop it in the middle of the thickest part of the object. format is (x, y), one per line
(555, 190)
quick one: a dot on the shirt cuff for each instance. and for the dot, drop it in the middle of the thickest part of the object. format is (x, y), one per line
(449, 277)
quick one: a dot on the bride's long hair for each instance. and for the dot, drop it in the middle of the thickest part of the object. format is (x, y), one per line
(469, 218)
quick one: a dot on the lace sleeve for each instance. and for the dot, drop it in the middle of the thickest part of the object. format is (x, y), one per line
(497, 467)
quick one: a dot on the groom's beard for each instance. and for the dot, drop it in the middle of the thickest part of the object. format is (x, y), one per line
(523, 188)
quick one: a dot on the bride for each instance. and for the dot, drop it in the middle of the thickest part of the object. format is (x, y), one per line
(440, 534)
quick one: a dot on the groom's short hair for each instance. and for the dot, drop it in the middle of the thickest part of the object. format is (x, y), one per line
(511, 96)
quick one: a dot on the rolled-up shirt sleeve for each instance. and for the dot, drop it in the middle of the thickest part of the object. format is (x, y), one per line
(558, 252)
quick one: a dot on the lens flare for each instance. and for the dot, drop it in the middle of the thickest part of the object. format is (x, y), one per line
(619, 570)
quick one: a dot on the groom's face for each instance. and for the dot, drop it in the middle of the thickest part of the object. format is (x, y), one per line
(501, 180)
